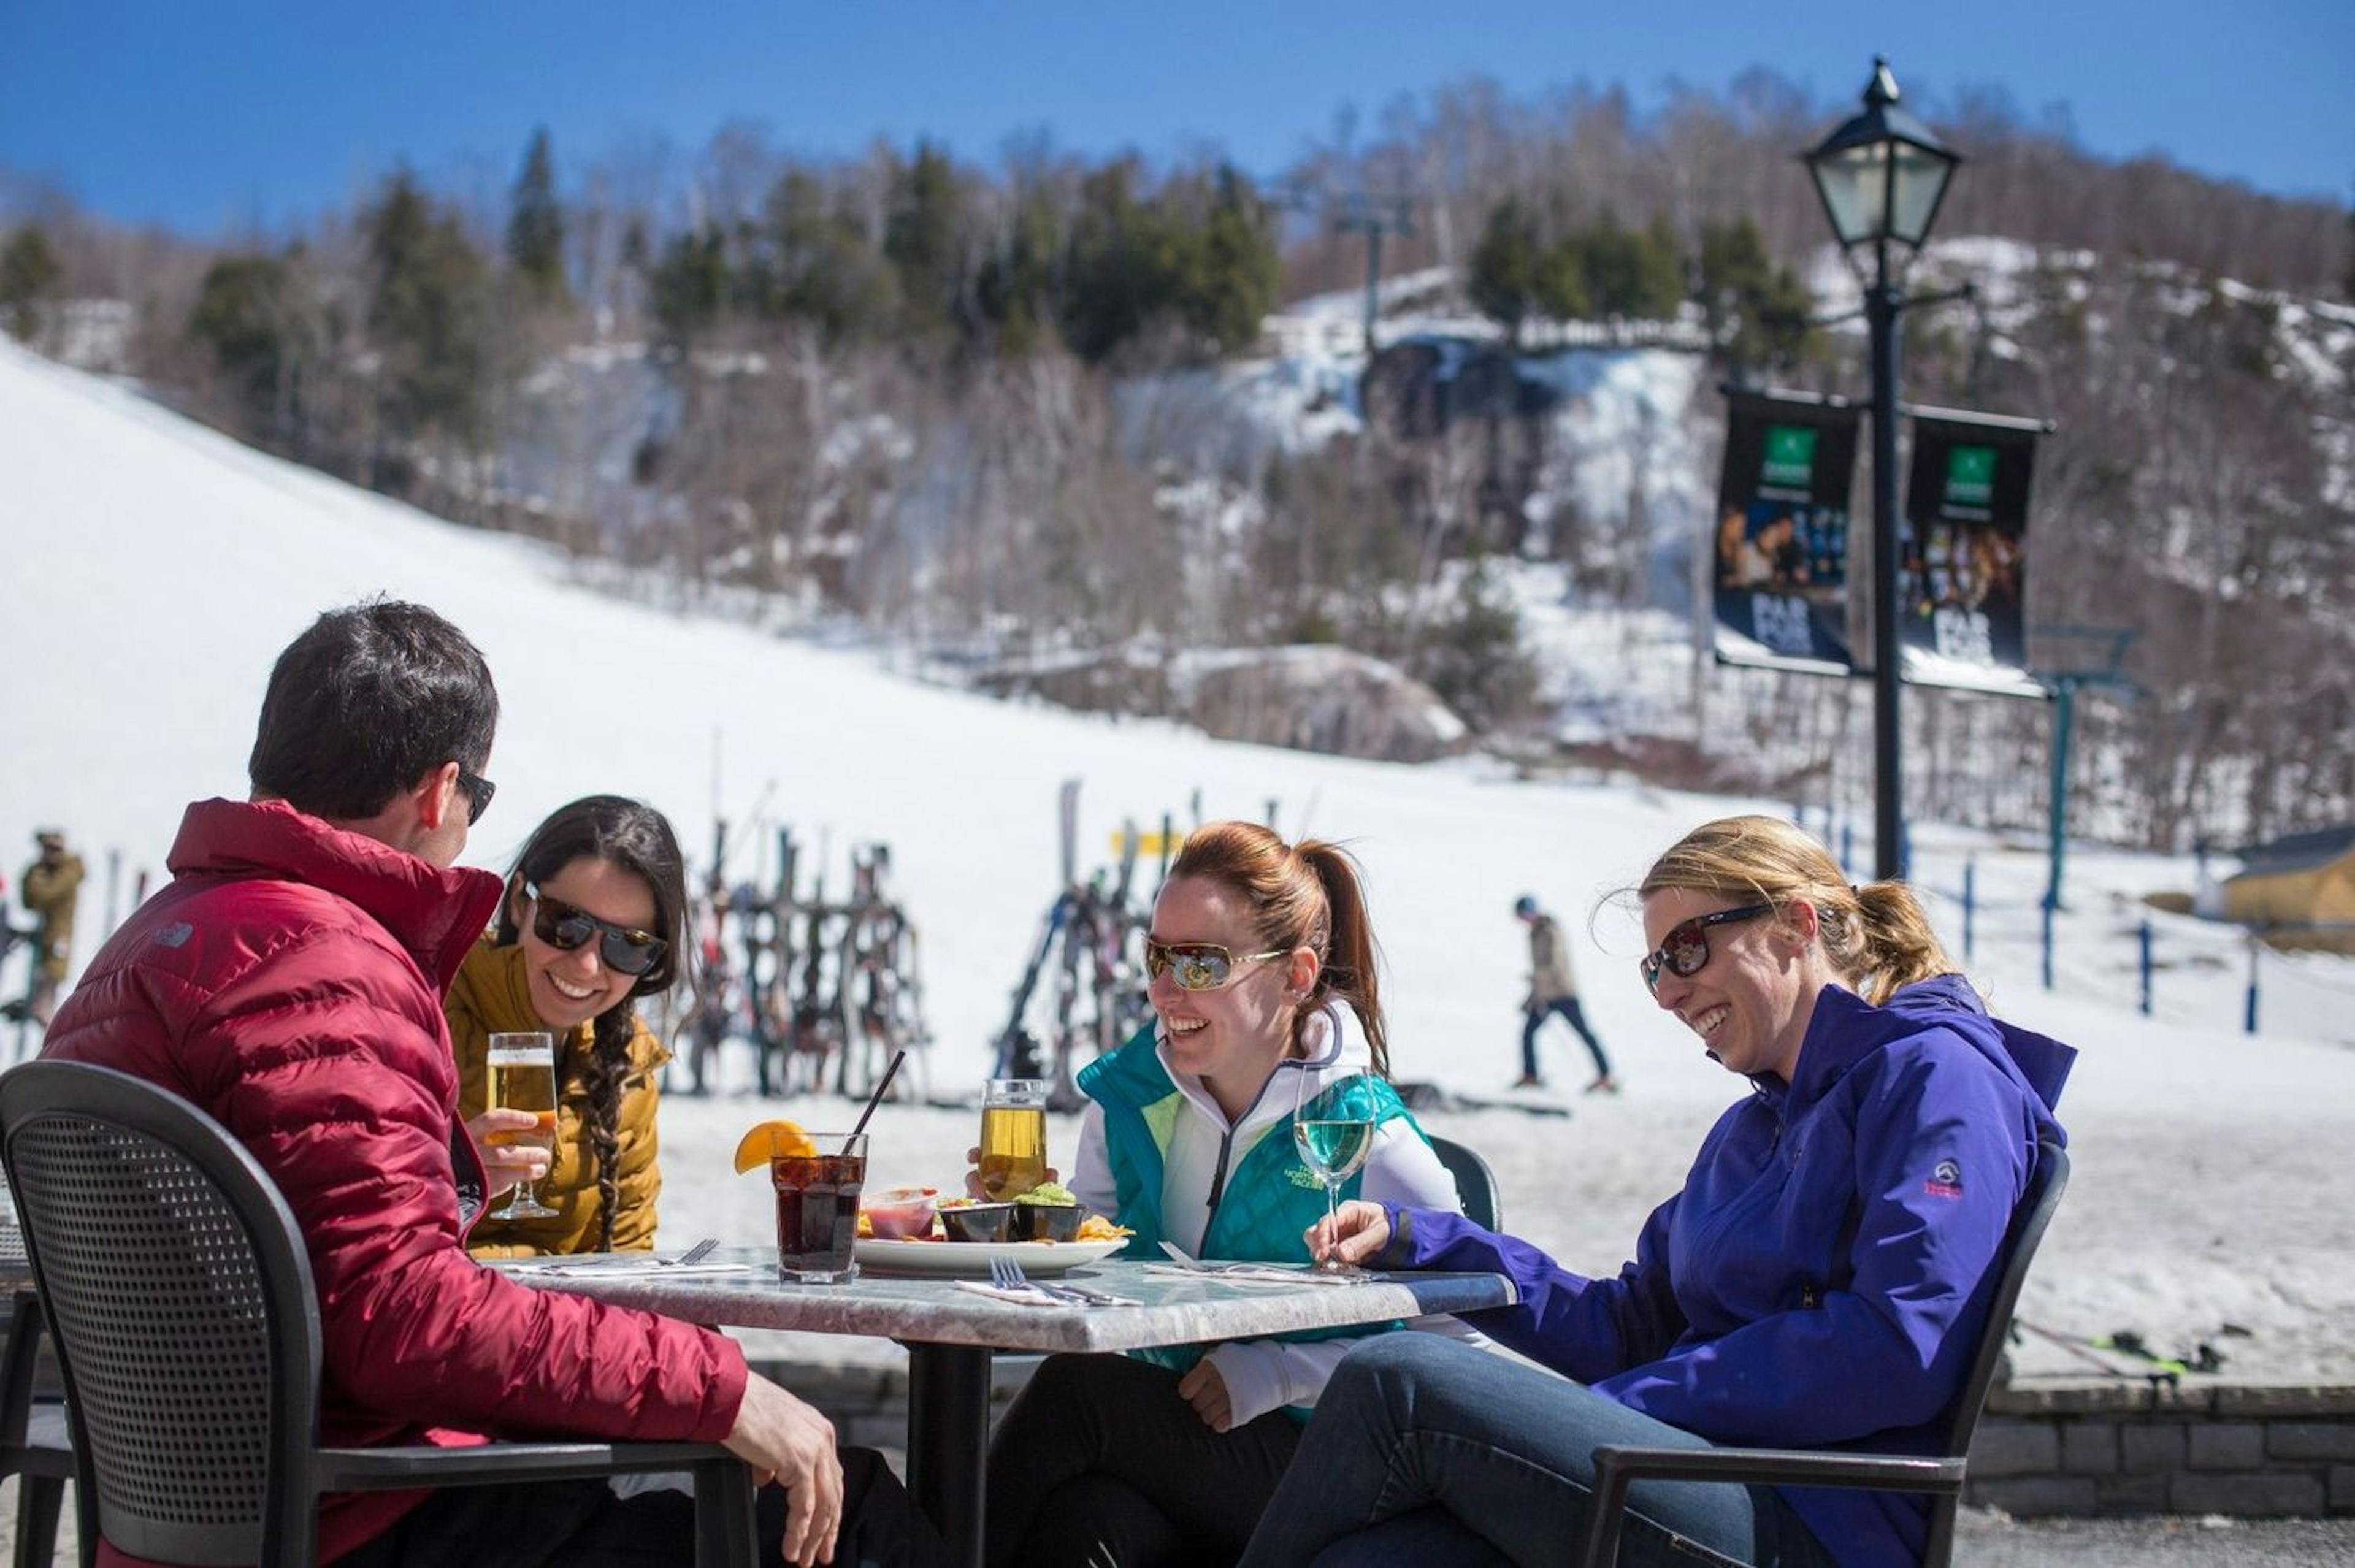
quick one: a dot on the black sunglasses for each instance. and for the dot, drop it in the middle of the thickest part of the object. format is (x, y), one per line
(624, 951)
(479, 791)
(1686, 951)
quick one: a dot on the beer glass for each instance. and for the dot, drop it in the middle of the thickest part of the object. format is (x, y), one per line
(523, 1078)
(1013, 1136)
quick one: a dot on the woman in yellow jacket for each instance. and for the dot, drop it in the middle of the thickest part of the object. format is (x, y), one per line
(592, 920)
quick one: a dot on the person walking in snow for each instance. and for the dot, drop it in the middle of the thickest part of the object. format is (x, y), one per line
(51, 889)
(1263, 966)
(1821, 1280)
(1552, 989)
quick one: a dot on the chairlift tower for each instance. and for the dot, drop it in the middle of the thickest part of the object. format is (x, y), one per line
(1375, 216)
(2107, 646)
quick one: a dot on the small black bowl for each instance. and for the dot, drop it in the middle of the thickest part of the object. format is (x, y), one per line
(1047, 1222)
(978, 1222)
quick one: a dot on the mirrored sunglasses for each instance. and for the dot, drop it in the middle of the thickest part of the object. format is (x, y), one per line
(1197, 965)
(1686, 951)
(623, 950)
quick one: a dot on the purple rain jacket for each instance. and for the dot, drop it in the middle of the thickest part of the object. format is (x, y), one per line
(1822, 1279)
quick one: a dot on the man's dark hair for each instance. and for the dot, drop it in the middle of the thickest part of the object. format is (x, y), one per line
(366, 703)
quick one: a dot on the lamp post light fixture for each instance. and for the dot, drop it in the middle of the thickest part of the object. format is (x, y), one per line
(1881, 177)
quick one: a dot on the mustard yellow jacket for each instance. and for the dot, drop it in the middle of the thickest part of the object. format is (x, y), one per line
(490, 996)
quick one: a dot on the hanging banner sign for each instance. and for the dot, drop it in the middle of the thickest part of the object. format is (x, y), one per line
(1781, 571)
(1963, 557)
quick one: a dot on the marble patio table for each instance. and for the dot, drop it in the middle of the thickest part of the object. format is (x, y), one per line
(949, 1335)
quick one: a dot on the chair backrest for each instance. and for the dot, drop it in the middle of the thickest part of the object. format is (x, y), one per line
(180, 1300)
(1474, 1182)
(2026, 1232)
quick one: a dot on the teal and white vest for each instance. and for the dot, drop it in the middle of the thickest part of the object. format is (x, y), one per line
(1268, 1197)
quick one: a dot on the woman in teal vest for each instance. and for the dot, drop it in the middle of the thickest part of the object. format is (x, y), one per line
(1263, 966)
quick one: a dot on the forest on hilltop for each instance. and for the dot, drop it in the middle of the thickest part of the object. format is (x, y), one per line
(895, 389)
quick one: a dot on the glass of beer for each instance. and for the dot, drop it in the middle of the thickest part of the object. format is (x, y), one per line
(817, 1207)
(523, 1078)
(1013, 1136)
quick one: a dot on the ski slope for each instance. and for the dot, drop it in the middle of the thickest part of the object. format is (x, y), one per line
(154, 569)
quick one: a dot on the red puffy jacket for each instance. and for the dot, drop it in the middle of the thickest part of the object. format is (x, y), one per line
(289, 981)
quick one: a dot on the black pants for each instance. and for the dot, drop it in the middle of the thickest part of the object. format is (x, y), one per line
(581, 1524)
(1099, 1464)
(1534, 1018)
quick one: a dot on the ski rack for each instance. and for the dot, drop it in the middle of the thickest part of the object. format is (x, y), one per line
(824, 991)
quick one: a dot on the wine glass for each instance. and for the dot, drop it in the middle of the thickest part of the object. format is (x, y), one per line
(1333, 1126)
(523, 1078)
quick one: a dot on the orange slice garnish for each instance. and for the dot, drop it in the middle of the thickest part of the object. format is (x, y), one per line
(772, 1140)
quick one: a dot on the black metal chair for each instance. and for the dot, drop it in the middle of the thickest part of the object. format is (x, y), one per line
(187, 1325)
(1474, 1182)
(1940, 1474)
(35, 1445)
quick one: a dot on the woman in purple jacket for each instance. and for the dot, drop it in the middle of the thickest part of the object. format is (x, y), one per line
(1818, 1283)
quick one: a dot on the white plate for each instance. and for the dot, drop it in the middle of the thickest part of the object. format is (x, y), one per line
(889, 1254)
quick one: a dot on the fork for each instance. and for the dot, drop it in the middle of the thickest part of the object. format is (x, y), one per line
(696, 1254)
(1008, 1275)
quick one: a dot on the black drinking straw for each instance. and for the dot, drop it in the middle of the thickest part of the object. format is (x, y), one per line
(877, 1098)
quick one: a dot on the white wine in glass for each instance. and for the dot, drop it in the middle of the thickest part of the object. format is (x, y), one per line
(1333, 1127)
(523, 1078)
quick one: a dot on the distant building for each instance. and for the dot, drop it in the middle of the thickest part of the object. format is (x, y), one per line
(2300, 890)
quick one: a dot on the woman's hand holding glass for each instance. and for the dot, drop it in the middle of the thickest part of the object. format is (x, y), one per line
(1355, 1233)
(1333, 1127)
(508, 1165)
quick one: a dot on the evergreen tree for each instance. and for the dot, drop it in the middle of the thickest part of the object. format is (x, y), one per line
(425, 313)
(921, 238)
(1507, 267)
(1627, 274)
(29, 274)
(1015, 290)
(689, 286)
(536, 224)
(244, 315)
(827, 273)
(1230, 271)
(1755, 311)
(1118, 265)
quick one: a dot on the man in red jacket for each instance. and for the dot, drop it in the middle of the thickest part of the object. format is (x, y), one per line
(289, 981)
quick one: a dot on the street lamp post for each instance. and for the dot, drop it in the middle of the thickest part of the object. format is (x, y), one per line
(1881, 177)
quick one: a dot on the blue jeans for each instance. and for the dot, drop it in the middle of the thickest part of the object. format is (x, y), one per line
(1533, 1019)
(1428, 1451)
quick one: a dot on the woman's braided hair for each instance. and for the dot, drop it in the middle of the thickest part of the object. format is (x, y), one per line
(636, 839)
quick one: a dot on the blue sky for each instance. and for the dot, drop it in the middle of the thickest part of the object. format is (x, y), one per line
(234, 112)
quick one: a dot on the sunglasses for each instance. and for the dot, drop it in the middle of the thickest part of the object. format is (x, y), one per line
(1686, 951)
(624, 951)
(1197, 965)
(479, 791)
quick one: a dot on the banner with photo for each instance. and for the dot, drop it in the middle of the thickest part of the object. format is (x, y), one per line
(1781, 569)
(1963, 552)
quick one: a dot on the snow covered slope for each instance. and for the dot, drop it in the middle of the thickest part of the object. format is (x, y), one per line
(154, 569)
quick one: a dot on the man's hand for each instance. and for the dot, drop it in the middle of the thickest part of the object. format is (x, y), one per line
(1356, 1233)
(1206, 1391)
(972, 1187)
(504, 1165)
(787, 1442)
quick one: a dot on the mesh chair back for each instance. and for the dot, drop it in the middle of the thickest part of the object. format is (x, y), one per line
(182, 1308)
(1474, 1182)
